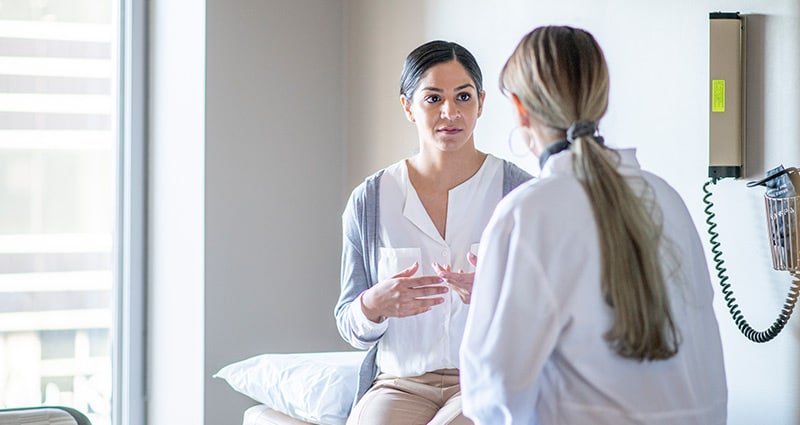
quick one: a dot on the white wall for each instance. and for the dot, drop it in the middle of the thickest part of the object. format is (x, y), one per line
(274, 184)
(658, 60)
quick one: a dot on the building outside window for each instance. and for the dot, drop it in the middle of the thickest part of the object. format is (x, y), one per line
(58, 192)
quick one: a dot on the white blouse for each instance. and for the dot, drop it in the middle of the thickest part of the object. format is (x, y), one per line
(412, 346)
(533, 350)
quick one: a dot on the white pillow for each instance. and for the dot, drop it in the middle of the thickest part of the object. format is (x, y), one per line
(313, 387)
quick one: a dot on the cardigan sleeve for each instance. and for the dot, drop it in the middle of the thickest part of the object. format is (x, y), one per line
(353, 326)
(513, 176)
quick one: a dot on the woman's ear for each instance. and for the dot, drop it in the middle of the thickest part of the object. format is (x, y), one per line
(522, 113)
(481, 99)
(407, 108)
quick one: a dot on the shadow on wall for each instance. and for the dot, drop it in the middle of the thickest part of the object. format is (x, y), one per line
(772, 78)
(378, 36)
(754, 97)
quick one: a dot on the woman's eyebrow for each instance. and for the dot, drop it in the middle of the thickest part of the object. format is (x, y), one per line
(438, 90)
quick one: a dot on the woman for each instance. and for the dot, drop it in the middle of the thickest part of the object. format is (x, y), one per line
(592, 301)
(407, 229)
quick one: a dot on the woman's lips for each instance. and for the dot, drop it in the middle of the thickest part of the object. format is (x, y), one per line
(449, 130)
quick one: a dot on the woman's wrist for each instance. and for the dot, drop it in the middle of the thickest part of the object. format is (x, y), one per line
(369, 312)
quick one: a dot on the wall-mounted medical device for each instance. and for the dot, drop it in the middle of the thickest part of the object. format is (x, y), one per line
(726, 158)
(726, 124)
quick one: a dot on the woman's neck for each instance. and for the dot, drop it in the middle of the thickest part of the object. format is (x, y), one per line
(440, 170)
(545, 136)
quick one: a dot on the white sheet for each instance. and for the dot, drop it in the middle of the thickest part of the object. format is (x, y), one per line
(263, 415)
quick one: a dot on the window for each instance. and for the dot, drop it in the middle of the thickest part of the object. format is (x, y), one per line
(67, 193)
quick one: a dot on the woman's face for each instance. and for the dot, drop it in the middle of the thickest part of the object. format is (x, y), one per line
(445, 107)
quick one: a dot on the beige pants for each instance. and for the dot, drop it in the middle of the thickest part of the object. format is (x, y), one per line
(433, 398)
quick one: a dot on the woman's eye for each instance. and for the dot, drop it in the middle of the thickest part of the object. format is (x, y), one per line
(464, 97)
(432, 99)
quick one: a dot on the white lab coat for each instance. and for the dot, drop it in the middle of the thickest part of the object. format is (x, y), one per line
(533, 351)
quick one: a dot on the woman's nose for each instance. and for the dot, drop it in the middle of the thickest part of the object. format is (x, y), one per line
(449, 110)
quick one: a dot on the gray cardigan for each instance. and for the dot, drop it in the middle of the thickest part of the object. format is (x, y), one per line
(360, 257)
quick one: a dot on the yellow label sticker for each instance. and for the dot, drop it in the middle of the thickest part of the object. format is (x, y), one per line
(717, 95)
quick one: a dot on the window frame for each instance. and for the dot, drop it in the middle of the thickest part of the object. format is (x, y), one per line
(129, 385)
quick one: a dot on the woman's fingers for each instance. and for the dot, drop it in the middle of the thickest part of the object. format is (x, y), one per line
(472, 258)
(424, 299)
(417, 307)
(452, 277)
(428, 290)
(438, 268)
(461, 283)
(407, 272)
(423, 281)
(404, 295)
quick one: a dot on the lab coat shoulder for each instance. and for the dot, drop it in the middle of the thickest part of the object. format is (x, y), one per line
(541, 197)
(508, 287)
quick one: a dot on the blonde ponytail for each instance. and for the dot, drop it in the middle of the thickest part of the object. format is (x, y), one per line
(632, 275)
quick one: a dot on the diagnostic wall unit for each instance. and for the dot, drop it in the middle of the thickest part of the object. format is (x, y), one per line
(726, 153)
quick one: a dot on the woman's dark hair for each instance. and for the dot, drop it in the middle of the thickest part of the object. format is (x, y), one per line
(433, 53)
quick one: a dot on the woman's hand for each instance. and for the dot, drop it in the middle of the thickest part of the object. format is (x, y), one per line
(461, 282)
(402, 295)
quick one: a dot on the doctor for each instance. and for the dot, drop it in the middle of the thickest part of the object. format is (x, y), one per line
(592, 302)
(408, 231)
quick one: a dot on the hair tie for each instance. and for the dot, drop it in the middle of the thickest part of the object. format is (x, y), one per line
(581, 129)
(577, 129)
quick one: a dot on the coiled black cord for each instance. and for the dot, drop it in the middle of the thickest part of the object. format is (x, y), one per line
(730, 300)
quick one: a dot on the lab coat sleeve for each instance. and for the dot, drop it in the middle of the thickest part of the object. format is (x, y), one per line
(353, 325)
(511, 329)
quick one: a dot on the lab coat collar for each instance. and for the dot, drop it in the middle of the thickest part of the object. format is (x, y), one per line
(561, 163)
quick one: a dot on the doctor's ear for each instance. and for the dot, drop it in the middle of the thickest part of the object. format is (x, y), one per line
(522, 113)
(407, 108)
(481, 99)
